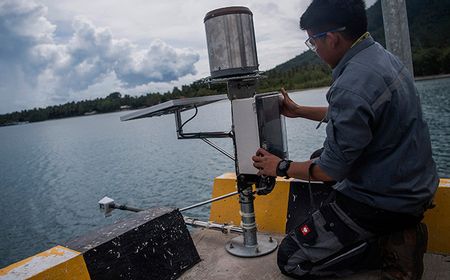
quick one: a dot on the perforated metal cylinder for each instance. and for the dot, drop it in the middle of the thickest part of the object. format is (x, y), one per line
(230, 37)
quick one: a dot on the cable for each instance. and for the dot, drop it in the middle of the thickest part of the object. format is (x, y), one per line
(195, 114)
(311, 198)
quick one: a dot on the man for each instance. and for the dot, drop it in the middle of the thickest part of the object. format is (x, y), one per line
(377, 150)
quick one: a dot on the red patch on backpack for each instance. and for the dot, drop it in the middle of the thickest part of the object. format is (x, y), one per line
(305, 230)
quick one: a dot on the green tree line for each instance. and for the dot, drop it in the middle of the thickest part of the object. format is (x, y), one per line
(113, 102)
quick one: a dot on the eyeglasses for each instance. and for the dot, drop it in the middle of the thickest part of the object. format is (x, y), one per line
(310, 41)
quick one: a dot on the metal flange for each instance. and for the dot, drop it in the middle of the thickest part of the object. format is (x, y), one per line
(265, 245)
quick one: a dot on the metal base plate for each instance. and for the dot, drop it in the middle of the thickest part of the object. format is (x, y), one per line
(266, 244)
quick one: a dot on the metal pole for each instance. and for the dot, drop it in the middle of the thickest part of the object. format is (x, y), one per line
(250, 243)
(209, 201)
(248, 224)
(134, 209)
(209, 142)
(127, 208)
(211, 225)
(396, 31)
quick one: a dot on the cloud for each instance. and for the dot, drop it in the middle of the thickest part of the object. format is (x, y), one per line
(36, 69)
(159, 63)
(56, 52)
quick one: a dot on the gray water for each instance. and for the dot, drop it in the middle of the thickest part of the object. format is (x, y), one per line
(52, 174)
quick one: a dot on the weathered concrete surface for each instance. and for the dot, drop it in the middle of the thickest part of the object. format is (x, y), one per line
(218, 264)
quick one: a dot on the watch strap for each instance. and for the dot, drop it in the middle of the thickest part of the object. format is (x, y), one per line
(283, 167)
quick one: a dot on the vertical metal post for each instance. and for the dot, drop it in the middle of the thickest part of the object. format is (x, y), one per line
(396, 31)
(250, 243)
(248, 224)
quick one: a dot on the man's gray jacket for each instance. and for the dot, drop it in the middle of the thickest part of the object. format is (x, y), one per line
(378, 145)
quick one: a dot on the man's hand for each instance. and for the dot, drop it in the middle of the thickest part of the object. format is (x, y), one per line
(289, 108)
(292, 110)
(266, 163)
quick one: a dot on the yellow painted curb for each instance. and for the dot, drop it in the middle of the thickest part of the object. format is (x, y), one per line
(56, 263)
(438, 222)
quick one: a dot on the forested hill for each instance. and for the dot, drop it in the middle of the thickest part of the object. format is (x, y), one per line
(429, 25)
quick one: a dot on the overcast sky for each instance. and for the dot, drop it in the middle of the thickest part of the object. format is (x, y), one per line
(55, 51)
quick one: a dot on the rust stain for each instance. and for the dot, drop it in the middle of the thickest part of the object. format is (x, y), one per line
(55, 251)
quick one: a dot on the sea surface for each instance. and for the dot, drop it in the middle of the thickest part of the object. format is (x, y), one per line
(53, 173)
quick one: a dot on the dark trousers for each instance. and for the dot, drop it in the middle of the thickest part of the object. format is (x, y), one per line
(339, 238)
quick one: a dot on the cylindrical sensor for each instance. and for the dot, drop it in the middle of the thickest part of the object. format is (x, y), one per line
(230, 37)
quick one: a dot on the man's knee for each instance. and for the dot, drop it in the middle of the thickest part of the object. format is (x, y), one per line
(286, 249)
(291, 260)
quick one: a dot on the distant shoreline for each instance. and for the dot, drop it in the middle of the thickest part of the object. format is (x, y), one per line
(432, 77)
(417, 79)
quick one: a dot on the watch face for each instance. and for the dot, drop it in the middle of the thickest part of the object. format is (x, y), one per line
(283, 165)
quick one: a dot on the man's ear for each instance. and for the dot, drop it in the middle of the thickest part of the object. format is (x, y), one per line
(334, 39)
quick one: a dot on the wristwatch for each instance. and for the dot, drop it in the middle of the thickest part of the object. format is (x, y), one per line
(283, 167)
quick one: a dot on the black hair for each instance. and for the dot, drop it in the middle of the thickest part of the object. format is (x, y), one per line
(323, 15)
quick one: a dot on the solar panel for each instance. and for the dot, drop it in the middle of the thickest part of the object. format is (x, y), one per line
(172, 106)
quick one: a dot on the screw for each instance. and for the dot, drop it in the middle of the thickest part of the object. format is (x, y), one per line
(231, 246)
(270, 239)
(257, 250)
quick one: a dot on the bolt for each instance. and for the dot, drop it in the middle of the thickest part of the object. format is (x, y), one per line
(257, 250)
(231, 246)
(270, 239)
